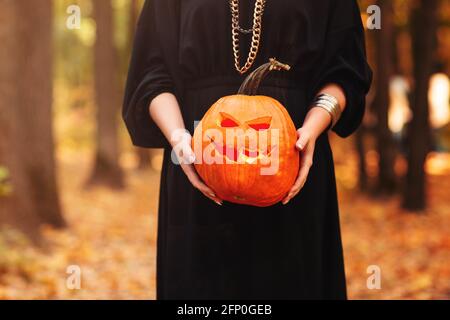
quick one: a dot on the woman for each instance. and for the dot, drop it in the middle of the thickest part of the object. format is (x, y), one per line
(184, 61)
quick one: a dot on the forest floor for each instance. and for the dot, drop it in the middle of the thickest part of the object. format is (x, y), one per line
(112, 235)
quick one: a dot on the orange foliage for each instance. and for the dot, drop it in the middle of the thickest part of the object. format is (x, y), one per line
(112, 238)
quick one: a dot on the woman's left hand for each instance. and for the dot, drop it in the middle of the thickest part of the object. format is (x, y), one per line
(316, 122)
(306, 144)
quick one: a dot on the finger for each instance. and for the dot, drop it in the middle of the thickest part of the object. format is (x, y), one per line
(203, 188)
(209, 195)
(304, 172)
(207, 191)
(294, 190)
(190, 172)
(216, 200)
(187, 160)
(303, 139)
(292, 193)
(301, 180)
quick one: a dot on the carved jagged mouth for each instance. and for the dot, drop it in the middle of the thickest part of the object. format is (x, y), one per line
(233, 153)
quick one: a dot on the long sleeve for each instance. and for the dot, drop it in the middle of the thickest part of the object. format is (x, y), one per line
(344, 63)
(148, 77)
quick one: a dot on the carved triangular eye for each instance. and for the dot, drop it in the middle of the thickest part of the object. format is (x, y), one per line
(262, 123)
(228, 121)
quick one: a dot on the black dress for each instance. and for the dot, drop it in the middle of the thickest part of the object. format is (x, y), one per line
(282, 252)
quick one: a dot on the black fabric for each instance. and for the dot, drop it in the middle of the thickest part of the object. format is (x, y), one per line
(282, 252)
(153, 70)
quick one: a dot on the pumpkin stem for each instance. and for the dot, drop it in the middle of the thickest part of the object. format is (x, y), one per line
(251, 84)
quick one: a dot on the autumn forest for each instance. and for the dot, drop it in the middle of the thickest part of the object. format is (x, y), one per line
(78, 203)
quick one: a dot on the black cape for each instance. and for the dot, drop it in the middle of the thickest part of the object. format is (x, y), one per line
(206, 251)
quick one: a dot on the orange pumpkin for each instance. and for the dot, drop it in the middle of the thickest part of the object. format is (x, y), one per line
(245, 145)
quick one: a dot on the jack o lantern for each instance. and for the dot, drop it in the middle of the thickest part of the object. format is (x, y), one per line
(245, 145)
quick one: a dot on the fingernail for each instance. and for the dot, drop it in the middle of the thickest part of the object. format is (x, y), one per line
(212, 195)
(219, 203)
(299, 146)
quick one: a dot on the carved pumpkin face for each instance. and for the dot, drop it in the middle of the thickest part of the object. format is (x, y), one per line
(238, 141)
(246, 147)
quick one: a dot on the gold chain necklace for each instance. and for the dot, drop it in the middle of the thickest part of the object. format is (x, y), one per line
(236, 29)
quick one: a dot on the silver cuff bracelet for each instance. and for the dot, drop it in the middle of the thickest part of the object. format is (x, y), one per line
(331, 105)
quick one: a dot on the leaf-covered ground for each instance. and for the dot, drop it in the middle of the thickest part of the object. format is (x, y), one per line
(112, 237)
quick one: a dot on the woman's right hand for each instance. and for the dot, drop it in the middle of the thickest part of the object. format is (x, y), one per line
(165, 111)
(186, 158)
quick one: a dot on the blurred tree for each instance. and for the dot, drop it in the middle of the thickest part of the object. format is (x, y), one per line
(364, 130)
(106, 169)
(384, 70)
(424, 22)
(5, 187)
(144, 158)
(361, 151)
(26, 144)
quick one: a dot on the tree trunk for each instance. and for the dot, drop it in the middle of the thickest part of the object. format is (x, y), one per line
(144, 158)
(26, 139)
(362, 170)
(106, 169)
(385, 143)
(423, 28)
